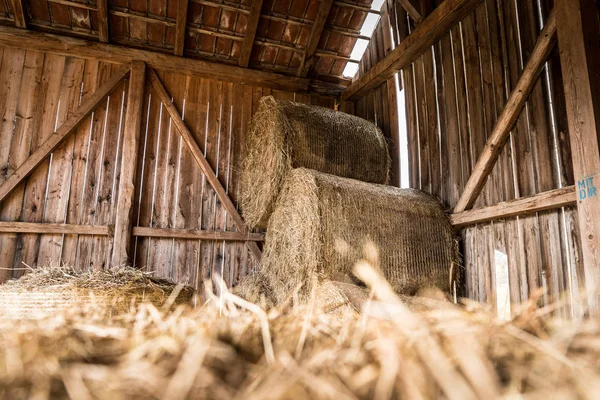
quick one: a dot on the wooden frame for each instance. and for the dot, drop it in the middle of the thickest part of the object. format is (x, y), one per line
(180, 27)
(103, 34)
(67, 46)
(437, 24)
(315, 36)
(192, 234)
(251, 28)
(48, 228)
(209, 173)
(412, 9)
(579, 47)
(69, 126)
(18, 13)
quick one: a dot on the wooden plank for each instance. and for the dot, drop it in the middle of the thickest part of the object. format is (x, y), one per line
(201, 160)
(579, 47)
(509, 116)
(53, 228)
(318, 26)
(67, 46)
(182, 10)
(103, 34)
(194, 234)
(437, 24)
(549, 200)
(412, 9)
(18, 11)
(251, 27)
(131, 137)
(58, 136)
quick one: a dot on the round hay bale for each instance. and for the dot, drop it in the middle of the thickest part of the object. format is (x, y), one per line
(324, 224)
(49, 290)
(285, 135)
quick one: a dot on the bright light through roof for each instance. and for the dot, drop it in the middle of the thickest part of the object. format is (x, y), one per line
(361, 45)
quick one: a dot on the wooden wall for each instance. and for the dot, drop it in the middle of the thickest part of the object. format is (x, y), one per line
(78, 184)
(454, 94)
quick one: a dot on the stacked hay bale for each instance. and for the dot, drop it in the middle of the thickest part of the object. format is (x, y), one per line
(286, 135)
(49, 290)
(316, 176)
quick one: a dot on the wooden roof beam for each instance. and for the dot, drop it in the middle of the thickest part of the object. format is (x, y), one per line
(412, 9)
(182, 10)
(102, 6)
(510, 114)
(315, 36)
(18, 11)
(251, 28)
(427, 33)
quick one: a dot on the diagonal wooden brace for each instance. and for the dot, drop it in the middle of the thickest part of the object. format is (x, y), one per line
(188, 138)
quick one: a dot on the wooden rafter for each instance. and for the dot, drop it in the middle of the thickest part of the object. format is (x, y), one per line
(205, 166)
(510, 114)
(437, 24)
(578, 40)
(251, 28)
(102, 6)
(540, 202)
(412, 9)
(18, 13)
(315, 35)
(69, 126)
(131, 138)
(182, 10)
(67, 46)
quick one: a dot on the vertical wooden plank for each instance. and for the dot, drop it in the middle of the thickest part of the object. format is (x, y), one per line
(35, 192)
(59, 176)
(80, 151)
(14, 83)
(103, 34)
(131, 137)
(578, 42)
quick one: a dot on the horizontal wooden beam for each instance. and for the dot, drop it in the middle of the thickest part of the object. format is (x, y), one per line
(197, 235)
(427, 33)
(540, 202)
(509, 116)
(57, 137)
(66, 229)
(81, 48)
(202, 162)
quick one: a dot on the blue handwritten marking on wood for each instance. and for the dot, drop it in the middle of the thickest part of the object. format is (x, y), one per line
(586, 188)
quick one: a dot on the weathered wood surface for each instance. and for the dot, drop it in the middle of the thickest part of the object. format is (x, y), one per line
(126, 190)
(66, 46)
(509, 116)
(315, 35)
(18, 10)
(197, 234)
(550, 200)
(251, 27)
(437, 24)
(579, 45)
(180, 27)
(51, 228)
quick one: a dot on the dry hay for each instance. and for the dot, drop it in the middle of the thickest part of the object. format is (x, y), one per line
(323, 225)
(46, 290)
(221, 351)
(285, 135)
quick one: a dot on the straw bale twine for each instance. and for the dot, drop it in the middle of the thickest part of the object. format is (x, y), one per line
(48, 290)
(324, 225)
(285, 135)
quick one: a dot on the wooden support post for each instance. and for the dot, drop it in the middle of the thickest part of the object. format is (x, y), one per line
(315, 36)
(578, 39)
(182, 10)
(103, 20)
(436, 25)
(251, 27)
(526, 205)
(209, 173)
(57, 137)
(509, 115)
(131, 138)
(18, 13)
